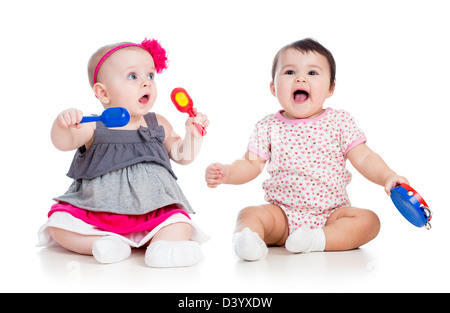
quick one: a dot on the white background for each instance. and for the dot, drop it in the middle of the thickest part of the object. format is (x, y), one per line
(392, 76)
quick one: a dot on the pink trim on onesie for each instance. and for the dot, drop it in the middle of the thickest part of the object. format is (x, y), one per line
(355, 143)
(119, 223)
(280, 116)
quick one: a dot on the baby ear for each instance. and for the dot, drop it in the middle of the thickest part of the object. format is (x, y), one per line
(272, 89)
(331, 90)
(101, 93)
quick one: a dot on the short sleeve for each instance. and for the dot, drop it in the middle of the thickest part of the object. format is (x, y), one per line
(260, 143)
(351, 134)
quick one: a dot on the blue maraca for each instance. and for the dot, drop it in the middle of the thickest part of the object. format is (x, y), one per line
(111, 117)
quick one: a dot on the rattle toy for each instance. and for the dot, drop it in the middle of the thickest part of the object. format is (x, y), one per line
(184, 104)
(411, 205)
(111, 117)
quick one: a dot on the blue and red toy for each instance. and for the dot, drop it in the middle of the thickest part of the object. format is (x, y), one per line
(411, 205)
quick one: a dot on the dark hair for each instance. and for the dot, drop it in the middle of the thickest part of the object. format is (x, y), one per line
(307, 45)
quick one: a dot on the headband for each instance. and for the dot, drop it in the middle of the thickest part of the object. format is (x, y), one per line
(152, 46)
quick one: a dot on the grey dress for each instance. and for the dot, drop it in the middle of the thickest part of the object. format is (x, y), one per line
(125, 172)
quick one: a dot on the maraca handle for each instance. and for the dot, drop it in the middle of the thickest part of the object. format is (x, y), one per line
(88, 119)
(199, 127)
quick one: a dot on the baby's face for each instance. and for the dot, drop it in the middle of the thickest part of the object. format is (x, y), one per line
(128, 75)
(302, 83)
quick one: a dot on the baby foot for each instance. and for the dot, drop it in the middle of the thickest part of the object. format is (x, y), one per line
(164, 253)
(110, 249)
(306, 240)
(249, 246)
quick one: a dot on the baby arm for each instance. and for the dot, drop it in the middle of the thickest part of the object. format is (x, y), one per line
(239, 172)
(67, 134)
(373, 167)
(184, 151)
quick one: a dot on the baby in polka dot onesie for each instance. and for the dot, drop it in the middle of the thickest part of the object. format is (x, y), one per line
(304, 148)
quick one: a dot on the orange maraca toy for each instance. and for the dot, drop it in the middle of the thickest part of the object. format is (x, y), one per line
(184, 104)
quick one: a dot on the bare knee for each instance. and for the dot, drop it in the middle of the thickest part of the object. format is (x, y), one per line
(174, 232)
(348, 228)
(58, 234)
(267, 220)
(250, 212)
(252, 217)
(370, 223)
(72, 241)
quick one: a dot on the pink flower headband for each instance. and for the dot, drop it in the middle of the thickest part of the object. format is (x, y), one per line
(153, 47)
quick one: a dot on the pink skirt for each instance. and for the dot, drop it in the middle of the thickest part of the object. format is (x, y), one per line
(118, 223)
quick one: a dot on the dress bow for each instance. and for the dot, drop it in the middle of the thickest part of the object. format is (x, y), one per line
(148, 134)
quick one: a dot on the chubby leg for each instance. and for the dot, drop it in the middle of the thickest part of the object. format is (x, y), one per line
(72, 241)
(174, 232)
(349, 228)
(257, 227)
(267, 220)
(107, 249)
(171, 247)
(346, 229)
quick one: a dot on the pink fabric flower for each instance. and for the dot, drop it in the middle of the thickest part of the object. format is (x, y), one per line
(158, 53)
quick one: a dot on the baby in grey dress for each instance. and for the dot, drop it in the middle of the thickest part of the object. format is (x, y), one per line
(124, 192)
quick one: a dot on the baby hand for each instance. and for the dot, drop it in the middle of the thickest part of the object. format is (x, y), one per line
(215, 175)
(392, 181)
(200, 119)
(69, 118)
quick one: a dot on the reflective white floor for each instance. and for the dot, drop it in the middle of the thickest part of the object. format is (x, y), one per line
(411, 263)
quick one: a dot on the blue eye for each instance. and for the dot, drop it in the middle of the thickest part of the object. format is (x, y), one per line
(132, 76)
(312, 73)
(289, 72)
(151, 76)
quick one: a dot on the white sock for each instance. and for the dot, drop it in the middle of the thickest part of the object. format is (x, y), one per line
(164, 253)
(110, 249)
(249, 246)
(306, 240)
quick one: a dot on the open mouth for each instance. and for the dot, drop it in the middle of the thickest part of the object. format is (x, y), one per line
(144, 99)
(301, 96)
